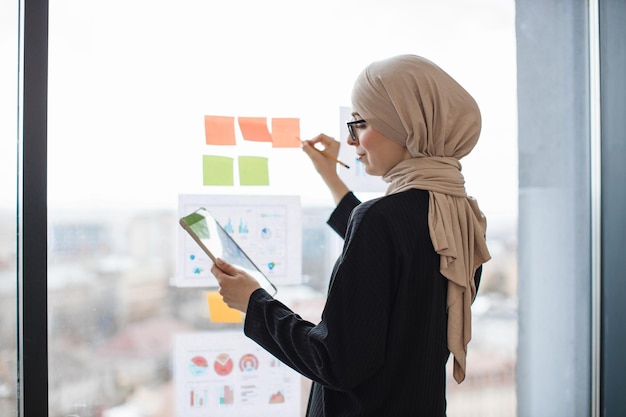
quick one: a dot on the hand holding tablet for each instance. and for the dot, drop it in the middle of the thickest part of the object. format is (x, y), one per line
(217, 243)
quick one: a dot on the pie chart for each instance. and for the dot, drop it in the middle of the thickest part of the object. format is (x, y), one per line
(223, 364)
(248, 363)
(198, 366)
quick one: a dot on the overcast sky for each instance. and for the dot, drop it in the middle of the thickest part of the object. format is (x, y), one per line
(129, 82)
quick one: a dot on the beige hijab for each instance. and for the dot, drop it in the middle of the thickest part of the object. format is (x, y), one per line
(415, 103)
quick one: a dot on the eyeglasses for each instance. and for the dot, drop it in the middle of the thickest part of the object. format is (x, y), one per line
(351, 128)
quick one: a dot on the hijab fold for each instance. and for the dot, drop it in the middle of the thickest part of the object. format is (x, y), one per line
(415, 103)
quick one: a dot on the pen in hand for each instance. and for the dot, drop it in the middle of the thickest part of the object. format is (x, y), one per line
(329, 156)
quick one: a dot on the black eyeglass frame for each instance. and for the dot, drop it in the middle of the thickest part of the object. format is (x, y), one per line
(351, 129)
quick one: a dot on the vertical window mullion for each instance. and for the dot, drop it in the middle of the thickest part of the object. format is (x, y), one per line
(596, 205)
(32, 211)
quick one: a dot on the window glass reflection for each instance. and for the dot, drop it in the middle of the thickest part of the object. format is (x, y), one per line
(8, 202)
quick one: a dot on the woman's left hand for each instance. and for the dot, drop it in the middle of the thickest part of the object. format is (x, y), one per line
(236, 286)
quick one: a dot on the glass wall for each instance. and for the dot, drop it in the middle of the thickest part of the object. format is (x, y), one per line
(8, 200)
(133, 90)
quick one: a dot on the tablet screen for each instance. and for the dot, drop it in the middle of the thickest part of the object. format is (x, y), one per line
(217, 243)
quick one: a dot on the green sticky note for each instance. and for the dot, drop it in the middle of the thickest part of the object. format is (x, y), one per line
(217, 170)
(253, 170)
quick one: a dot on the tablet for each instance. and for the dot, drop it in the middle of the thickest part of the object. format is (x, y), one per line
(217, 243)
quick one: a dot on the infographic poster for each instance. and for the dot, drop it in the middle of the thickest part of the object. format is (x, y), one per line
(226, 374)
(267, 228)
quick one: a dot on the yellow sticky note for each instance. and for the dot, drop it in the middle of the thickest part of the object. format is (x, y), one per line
(220, 312)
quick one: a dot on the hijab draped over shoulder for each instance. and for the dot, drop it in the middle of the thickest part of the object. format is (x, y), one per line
(415, 103)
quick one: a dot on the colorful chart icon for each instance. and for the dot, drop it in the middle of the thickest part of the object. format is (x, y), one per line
(198, 366)
(197, 399)
(248, 363)
(225, 395)
(223, 364)
(229, 227)
(277, 398)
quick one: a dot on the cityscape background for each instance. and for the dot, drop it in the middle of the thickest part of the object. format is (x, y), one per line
(112, 315)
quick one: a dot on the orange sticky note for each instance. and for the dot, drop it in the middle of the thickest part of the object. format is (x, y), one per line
(219, 310)
(219, 130)
(285, 133)
(254, 129)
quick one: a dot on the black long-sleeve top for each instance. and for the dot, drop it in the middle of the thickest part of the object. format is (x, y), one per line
(380, 348)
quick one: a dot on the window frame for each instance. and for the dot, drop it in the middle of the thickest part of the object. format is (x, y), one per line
(32, 289)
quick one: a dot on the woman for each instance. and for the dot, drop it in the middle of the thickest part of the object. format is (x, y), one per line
(400, 293)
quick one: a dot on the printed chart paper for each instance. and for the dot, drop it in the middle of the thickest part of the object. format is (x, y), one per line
(267, 228)
(224, 373)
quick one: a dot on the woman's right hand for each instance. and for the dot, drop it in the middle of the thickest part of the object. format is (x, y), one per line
(326, 167)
